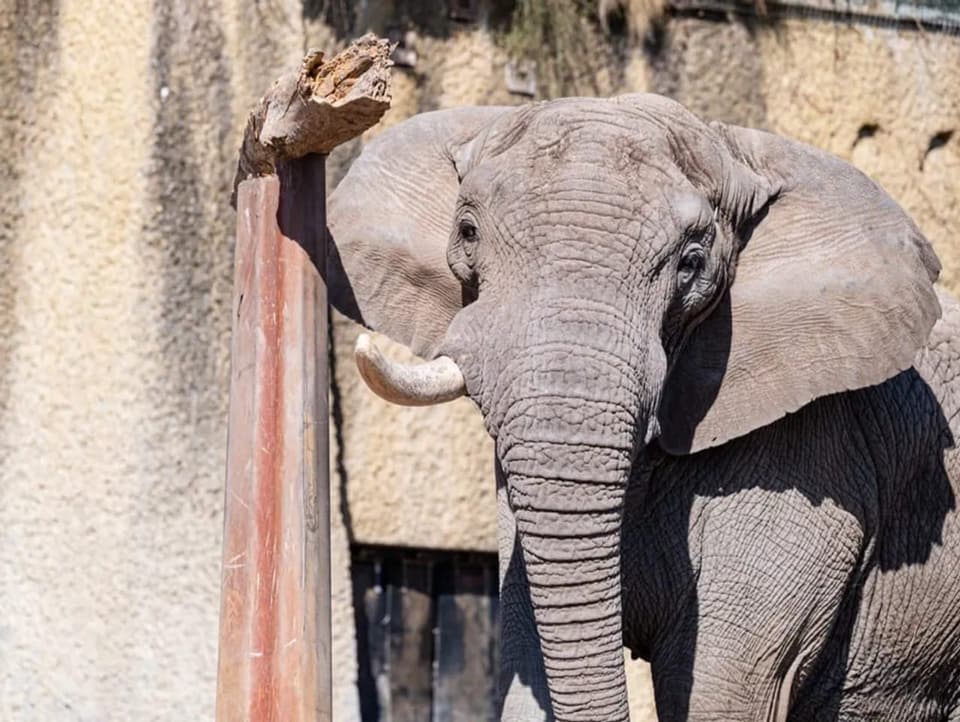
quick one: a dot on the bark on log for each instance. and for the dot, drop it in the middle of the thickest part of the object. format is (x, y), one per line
(316, 108)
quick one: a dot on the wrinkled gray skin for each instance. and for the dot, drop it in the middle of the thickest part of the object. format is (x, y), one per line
(637, 300)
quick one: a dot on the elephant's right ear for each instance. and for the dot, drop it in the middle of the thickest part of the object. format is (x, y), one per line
(833, 291)
(390, 220)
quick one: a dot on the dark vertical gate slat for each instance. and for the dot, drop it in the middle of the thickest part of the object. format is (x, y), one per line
(465, 638)
(411, 642)
(366, 603)
(376, 610)
(493, 653)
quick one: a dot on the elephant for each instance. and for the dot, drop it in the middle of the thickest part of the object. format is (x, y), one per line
(719, 377)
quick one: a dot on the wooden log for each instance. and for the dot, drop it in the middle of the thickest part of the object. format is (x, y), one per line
(275, 631)
(274, 662)
(318, 107)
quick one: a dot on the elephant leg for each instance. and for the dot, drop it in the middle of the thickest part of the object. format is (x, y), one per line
(764, 608)
(522, 683)
(735, 676)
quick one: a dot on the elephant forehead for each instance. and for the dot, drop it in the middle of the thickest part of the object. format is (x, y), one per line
(557, 128)
(612, 166)
(603, 213)
(584, 164)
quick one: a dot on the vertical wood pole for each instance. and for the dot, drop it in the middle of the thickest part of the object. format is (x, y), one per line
(274, 663)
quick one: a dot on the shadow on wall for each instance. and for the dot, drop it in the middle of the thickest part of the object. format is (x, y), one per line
(188, 140)
(31, 44)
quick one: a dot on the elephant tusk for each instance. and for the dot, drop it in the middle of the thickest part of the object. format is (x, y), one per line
(433, 382)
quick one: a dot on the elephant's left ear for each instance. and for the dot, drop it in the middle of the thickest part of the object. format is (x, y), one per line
(833, 291)
(390, 220)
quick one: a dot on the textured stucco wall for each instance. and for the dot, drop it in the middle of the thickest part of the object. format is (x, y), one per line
(873, 96)
(121, 122)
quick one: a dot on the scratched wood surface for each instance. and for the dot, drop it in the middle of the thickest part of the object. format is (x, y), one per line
(275, 596)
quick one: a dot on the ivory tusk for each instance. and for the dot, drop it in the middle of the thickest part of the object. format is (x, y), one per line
(433, 382)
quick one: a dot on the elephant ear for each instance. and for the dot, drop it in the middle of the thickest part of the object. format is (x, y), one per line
(833, 291)
(389, 222)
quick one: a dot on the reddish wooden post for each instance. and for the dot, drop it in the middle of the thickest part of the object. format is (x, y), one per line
(274, 663)
(275, 597)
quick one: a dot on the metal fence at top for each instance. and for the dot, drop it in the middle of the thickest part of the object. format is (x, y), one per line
(934, 16)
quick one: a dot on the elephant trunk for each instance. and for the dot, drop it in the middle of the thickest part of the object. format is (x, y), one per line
(567, 449)
(569, 533)
(568, 400)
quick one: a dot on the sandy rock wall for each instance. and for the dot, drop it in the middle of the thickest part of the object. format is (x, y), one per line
(886, 100)
(121, 124)
(902, 129)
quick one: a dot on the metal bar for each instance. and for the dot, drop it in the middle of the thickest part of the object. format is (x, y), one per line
(274, 663)
(884, 14)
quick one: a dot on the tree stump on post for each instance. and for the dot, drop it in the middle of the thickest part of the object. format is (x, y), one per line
(274, 660)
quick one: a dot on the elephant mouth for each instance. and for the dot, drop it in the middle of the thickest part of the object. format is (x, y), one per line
(434, 382)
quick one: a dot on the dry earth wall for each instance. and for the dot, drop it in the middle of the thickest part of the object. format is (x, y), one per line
(120, 125)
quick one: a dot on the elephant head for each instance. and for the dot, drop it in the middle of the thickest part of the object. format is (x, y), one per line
(601, 275)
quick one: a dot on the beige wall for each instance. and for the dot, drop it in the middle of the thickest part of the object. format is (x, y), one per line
(121, 122)
(822, 83)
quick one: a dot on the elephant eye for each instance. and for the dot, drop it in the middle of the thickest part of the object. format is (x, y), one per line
(468, 231)
(691, 263)
(462, 253)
